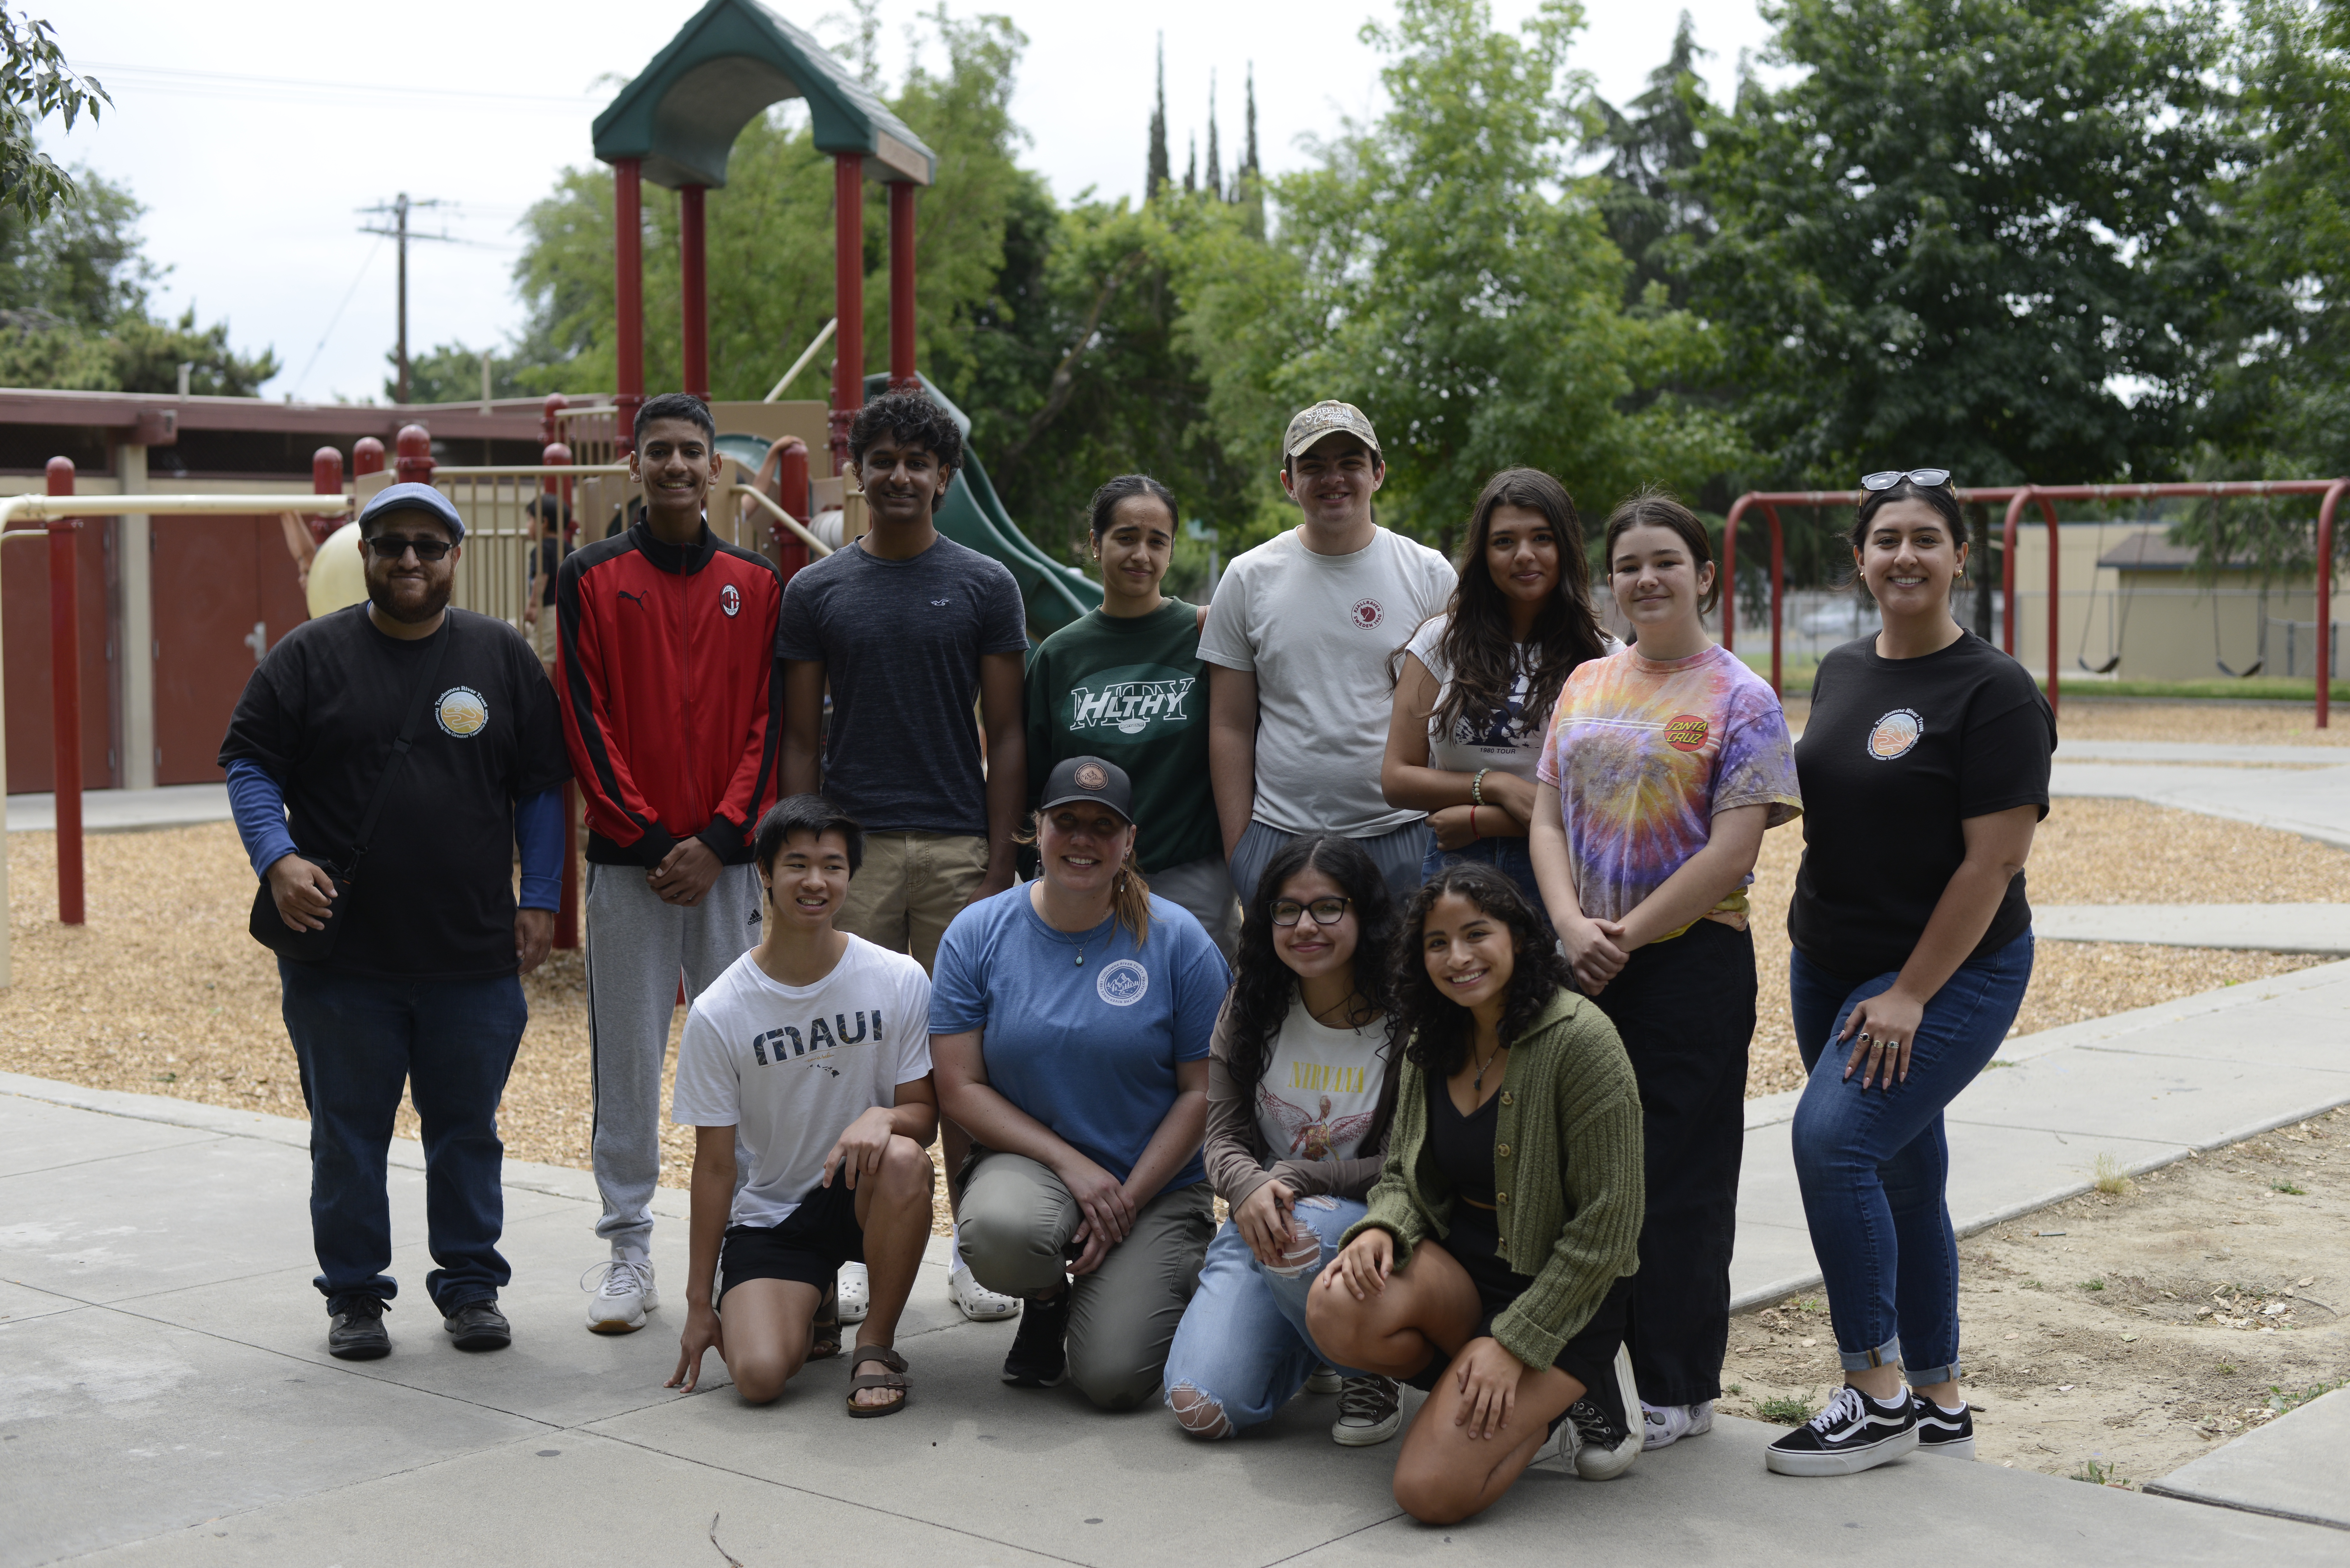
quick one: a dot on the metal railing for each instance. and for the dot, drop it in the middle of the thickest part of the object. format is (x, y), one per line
(493, 575)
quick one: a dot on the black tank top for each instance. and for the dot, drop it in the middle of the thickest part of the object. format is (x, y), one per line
(1464, 1146)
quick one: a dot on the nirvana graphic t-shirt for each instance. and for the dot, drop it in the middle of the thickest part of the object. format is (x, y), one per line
(1896, 754)
(1320, 1092)
(1089, 1049)
(790, 1066)
(1511, 742)
(1644, 753)
(1318, 631)
(1131, 689)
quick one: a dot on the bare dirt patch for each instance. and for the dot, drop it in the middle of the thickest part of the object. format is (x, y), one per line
(2204, 1300)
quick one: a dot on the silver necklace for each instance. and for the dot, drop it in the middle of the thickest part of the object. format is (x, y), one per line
(1477, 1083)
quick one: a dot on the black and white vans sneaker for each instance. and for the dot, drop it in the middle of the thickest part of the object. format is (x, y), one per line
(1855, 1433)
(1950, 1433)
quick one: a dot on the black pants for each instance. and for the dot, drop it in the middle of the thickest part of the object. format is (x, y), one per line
(1684, 1009)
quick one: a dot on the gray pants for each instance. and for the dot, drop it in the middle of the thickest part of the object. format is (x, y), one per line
(1016, 1219)
(1204, 886)
(1396, 854)
(637, 948)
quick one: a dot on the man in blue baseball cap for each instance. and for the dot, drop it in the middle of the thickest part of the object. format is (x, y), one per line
(383, 763)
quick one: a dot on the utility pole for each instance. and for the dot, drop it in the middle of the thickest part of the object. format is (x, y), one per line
(398, 209)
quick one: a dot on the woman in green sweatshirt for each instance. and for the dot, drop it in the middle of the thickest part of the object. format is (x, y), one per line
(1493, 1268)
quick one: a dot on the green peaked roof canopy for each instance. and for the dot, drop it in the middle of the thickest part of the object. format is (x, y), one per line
(682, 113)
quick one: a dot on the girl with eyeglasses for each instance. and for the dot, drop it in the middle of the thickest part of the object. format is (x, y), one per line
(1924, 765)
(1491, 1266)
(1666, 762)
(1300, 1094)
(1475, 686)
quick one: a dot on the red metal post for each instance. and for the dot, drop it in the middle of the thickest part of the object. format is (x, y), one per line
(414, 465)
(65, 694)
(559, 456)
(848, 299)
(2326, 598)
(1729, 570)
(693, 276)
(2056, 604)
(2007, 568)
(367, 456)
(792, 495)
(550, 427)
(1778, 581)
(629, 297)
(326, 478)
(902, 286)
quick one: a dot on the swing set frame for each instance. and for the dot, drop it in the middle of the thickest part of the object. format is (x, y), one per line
(1768, 501)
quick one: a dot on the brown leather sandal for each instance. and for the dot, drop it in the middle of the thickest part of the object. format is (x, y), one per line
(895, 1378)
(824, 1332)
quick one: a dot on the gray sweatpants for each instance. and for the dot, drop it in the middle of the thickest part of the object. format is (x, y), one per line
(1017, 1221)
(637, 948)
(1397, 853)
(1204, 886)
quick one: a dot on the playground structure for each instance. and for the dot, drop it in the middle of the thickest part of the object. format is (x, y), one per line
(2016, 498)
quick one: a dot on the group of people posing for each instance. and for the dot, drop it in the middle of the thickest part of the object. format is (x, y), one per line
(1398, 907)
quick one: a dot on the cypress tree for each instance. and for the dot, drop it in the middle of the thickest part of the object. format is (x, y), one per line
(1156, 175)
(1191, 169)
(1215, 164)
(1248, 182)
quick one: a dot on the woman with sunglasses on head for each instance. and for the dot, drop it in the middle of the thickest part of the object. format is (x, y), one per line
(1665, 763)
(1125, 682)
(1069, 1024)
(1493, 1268)
(1475, 686)
(1925, 766)
(1300, 1093)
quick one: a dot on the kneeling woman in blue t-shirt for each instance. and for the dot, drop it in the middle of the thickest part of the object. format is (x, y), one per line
(1070, 1018)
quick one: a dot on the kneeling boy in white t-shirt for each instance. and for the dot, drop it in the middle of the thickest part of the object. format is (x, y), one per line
(807, 1066)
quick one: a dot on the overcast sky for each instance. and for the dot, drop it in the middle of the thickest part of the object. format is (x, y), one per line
(254, 145)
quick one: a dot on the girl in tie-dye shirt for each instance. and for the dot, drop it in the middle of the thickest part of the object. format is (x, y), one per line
(1665, 764)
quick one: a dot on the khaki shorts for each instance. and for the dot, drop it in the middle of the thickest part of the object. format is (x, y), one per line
(541, 634)
(909, 887)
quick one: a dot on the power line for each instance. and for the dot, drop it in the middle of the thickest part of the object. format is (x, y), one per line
(399, 207)
(336, 319)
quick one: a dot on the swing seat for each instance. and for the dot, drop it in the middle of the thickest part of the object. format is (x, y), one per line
(2240, 674)
(2107, 668)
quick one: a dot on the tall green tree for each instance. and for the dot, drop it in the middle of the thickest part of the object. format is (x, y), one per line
(1652, 146)
(36, 81)
(1976, 233)
(1460, 285)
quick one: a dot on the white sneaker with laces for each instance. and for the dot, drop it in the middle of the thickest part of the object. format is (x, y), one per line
(624, 1293)
(853, 1288)
(975, 1301)
(1369, 1412)
(1669, 1423)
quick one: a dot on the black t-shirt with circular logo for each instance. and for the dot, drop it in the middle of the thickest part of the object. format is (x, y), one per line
(435, 894)
(1898, 753)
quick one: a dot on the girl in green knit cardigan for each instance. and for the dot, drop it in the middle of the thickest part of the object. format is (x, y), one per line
(1493, 1266)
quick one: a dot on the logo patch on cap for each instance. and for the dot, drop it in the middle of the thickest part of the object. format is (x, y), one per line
(1090, 776)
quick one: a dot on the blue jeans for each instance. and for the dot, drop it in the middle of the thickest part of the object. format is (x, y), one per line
(1874, 1165)
(358, 1039)
(1513, 857)
(1242, 1341)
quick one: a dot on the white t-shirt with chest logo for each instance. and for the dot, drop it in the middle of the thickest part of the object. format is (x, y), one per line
(1319, 632)
(790, 1066)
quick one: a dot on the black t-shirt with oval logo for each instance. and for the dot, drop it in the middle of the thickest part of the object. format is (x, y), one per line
(435, 894)
(1897, 754)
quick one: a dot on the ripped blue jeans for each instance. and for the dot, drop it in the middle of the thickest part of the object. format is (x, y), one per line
(1242, 1348)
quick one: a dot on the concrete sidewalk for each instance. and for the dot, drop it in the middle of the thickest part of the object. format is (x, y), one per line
(124, 810)
(2314, 802)
(2297, 1467)
(2259, 927)
(165, 1398)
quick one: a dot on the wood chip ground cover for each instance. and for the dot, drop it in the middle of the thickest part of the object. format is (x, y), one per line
(2206, 1299)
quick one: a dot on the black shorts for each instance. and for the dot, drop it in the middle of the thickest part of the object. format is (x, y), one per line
(809, 1246)
(1589, 1358)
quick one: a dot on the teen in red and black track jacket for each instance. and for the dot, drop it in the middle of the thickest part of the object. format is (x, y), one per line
(671, 704)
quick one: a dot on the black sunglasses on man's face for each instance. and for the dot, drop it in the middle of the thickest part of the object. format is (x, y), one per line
(392, 546)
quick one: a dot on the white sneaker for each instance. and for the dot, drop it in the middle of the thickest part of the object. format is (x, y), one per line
(854, 1291)
(975, 1301)
(1325, 1380)
(1669, 1423)
(624, 1294)
(1605, 1449)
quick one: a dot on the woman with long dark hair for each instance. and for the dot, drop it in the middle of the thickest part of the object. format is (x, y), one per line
(1301, 1089)
(1475, 686)
(1665, 763)
(1925, 769)
(1493, 1266)
(1125, 681)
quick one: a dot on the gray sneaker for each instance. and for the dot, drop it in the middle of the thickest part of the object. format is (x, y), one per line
(1370, 1411)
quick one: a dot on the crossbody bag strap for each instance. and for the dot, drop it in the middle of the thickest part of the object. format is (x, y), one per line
(401, 744)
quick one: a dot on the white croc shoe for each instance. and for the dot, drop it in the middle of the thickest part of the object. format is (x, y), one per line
(624, 1293)
(1669, 1423)
(973, 1300)
(854, 1291)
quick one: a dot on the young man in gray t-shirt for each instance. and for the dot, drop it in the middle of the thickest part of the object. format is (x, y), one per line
(907, 627)
(1297, 646)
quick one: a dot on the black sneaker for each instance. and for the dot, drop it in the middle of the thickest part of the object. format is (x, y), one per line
(478, 1325)
(1040, 1355)
(1855, 1433)
(357, 1333)
(1607, 1436)
(1941, 1432)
